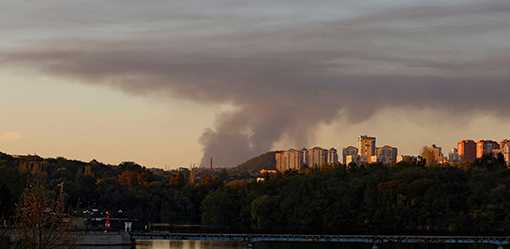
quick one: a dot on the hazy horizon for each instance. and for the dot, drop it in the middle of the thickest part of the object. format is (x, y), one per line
(173, 83)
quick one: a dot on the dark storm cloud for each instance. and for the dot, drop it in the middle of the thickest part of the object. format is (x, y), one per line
(287, 75)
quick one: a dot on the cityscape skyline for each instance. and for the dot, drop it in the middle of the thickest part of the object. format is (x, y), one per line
(447, 151)
(368, 152)
(172, 83)
(254, 124)
(465, 150)
(465, 155)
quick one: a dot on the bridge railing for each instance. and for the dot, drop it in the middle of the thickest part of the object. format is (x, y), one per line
(373, 239)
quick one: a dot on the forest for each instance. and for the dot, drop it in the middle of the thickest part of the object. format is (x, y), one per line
(372, 199)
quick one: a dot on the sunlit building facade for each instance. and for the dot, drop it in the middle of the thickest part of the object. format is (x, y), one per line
(312, 158)
(433, 155)
(485, 147)
(467, 150)
(350, 155)
(386, 155)
(289, 160)
(454, 156)
(503, 143)
(317, 157)
(332, 157)
(367, 148)
(505, 150)
(348, 159)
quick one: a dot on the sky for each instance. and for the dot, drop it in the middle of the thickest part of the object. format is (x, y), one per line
(173, 83)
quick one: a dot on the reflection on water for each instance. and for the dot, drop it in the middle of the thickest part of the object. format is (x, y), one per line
(243, 245)
(104, 247)
(161, 244)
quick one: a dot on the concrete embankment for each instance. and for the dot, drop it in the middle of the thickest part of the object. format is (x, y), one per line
(91, 239)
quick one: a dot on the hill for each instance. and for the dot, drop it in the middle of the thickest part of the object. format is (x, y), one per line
(264, 161)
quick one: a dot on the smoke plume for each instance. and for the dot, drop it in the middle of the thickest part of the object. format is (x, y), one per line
(286, 77)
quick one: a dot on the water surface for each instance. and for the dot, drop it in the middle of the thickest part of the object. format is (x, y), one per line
(160, 244)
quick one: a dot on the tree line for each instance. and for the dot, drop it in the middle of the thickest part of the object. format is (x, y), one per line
(405, 198)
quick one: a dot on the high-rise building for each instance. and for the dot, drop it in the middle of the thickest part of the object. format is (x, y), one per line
(373, 159)
(453, 156)
(317, 157)
(496, 152)
(332, 157)
(295, 159)
(433, 155)
(386, 155)
(504, 146)
(348, 159)
(289, 160)
(367, 148)
(503, 143)
(280, 161)
(505, 150)
(351, 152)
(313, 158)
(467, 150)
(485, 147)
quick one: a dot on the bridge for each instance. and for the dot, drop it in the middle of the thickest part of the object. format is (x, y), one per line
(374, 240)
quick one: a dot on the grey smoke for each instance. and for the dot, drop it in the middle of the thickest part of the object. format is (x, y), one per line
(287, 70)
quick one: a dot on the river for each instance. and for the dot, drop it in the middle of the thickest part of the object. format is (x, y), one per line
(191, 245)
(160, 244)
(242, 245)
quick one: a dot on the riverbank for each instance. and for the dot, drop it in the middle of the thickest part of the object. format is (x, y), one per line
(93, 239)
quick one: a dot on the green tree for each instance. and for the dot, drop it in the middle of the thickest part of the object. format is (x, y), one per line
(222, 208)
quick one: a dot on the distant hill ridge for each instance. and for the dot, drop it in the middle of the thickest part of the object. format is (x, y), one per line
(264, 161)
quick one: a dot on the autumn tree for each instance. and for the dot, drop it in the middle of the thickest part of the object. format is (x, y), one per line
(41, 221)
